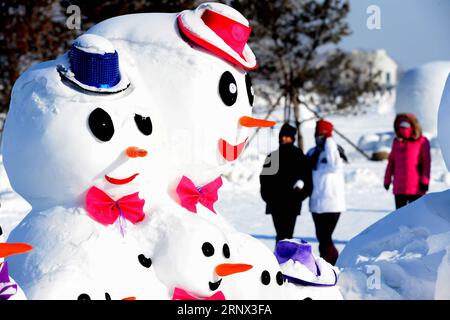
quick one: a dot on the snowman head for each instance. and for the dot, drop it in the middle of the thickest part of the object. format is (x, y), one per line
(62, 136)
(194, 257)
(217, 94)
(263, 281)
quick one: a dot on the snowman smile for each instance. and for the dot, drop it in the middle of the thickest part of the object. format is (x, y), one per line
(231, 152)
(121, 181)
(214, 285)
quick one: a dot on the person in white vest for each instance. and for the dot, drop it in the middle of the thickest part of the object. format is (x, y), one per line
(327, 200)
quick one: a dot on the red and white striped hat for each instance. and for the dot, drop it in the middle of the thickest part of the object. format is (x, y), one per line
(220, 30)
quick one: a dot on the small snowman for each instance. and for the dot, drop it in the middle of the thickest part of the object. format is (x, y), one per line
(9, 290)
(264, 281)
(73, 147)
(310, 277)
(193, 258)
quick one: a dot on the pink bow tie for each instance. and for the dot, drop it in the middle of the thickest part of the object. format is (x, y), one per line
(180, 294)
(190, 195)
(102, 208)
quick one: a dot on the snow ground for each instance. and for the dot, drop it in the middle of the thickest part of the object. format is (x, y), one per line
(240, 202)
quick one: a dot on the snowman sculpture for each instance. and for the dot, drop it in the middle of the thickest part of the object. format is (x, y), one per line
(73, 147)
(264, 281)
(9, 290)
(193, 258)
(202, 61)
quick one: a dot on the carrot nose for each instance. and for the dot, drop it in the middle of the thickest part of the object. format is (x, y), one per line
(8, 249)
(250, 122)
(226, 269)
(129, 298)
(135, 152)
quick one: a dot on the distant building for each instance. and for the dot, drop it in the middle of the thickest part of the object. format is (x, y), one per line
(378, 61)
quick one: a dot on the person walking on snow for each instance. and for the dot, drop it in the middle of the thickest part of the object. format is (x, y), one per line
(409, 161)
(285, 182)
(327, 200)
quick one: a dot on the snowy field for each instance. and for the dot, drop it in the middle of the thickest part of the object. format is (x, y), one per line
(240, 202)
(367, 200)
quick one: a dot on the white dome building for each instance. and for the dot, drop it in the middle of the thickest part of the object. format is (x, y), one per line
(420, 90)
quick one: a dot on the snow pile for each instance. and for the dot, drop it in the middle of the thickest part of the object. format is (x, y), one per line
(398, 257)
(420, 90)
(362, 178)
(443, 279)
(376, 142)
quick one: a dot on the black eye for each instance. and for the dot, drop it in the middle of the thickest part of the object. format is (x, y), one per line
(84, 296)
(101, 125)
(208, 249)
(226, 251)
(265, 277)
(144, 261)
(1, 231)
(250, 92)
(280, 278)
(107, 296)
(228, 88)
(144, 124)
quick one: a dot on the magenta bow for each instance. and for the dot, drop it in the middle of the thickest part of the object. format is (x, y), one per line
(102, 208)
(7, 287)
(190, 195)
(180, 294)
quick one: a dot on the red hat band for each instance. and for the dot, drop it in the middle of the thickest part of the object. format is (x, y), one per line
(232, 32)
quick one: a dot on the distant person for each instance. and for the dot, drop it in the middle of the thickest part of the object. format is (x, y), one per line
(285, 183)
(409, 161)
(327, 200)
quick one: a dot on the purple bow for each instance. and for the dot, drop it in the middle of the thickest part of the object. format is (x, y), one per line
(7, 287)
(300, 252)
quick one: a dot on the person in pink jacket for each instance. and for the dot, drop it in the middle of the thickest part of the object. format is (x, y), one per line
(409, 162)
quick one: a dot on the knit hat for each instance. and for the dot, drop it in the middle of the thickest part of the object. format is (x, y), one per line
(288, 131)
(324, 128)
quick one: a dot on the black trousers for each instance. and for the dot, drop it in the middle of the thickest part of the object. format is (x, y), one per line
(284, 223)
(402, 200)
(325, 224)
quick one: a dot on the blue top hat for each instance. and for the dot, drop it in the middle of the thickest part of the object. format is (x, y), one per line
(93, 65)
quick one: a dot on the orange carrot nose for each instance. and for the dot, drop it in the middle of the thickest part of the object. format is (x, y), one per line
(135, 152)
(226, 269)
(129, 298)
(8, 249)
(250, 122)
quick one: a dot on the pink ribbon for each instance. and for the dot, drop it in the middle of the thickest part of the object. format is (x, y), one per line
(103, 209)
(180, 294)
(190, 195)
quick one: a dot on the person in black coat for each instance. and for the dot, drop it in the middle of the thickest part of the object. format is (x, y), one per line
(285, 182)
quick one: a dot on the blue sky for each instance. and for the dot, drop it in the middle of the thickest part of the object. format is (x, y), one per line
(413, 32)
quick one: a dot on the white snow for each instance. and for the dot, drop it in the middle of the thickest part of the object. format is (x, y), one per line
(419, 91)
(94, 44)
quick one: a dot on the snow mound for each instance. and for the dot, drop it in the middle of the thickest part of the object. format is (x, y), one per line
(376, 142)
(400, 256)
(420, 91)
(362, 177)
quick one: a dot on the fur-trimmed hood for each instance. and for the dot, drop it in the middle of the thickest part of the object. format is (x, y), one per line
(409, 117)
